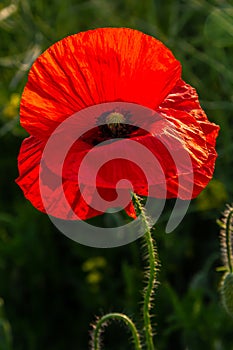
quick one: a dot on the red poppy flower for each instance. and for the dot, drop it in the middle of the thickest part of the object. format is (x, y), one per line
(137, 73)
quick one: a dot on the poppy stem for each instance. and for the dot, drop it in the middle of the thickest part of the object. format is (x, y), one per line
(151, 274)
(227, 238)
(149, 290)
(103, 321)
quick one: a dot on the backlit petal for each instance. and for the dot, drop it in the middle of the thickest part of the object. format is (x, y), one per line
(103, 65)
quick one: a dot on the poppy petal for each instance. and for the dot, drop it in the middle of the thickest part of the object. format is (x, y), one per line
(29, 180)
(93, 67)
(53, 202)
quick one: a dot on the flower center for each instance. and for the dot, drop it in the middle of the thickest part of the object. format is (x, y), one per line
(115, 122)
(110, 126)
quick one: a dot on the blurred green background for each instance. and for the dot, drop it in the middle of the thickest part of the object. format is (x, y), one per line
(53, 287)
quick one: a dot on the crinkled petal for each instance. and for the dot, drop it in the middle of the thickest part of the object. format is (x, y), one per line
(182, 108)
(49, 186)
(89, 68)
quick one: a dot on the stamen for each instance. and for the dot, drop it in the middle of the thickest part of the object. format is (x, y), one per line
(115, 118)
(115, 122)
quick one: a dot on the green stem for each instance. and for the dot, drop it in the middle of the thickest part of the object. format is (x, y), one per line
(149, 291)
(117, 316)
(151, 273)
(228, 239)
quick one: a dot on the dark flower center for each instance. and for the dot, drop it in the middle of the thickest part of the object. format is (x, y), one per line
(117, 125)
(110, 125)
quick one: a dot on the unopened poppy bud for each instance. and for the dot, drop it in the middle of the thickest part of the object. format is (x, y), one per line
(227, 292)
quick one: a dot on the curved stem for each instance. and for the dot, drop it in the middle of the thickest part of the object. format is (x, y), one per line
(151, 274)
(118, 316)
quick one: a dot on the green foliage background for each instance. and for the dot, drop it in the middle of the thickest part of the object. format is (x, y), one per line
(53, 287)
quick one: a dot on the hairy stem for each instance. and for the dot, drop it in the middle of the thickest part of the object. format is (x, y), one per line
(151, 275)
(228, 239)
(149, 291)
(117, 316)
